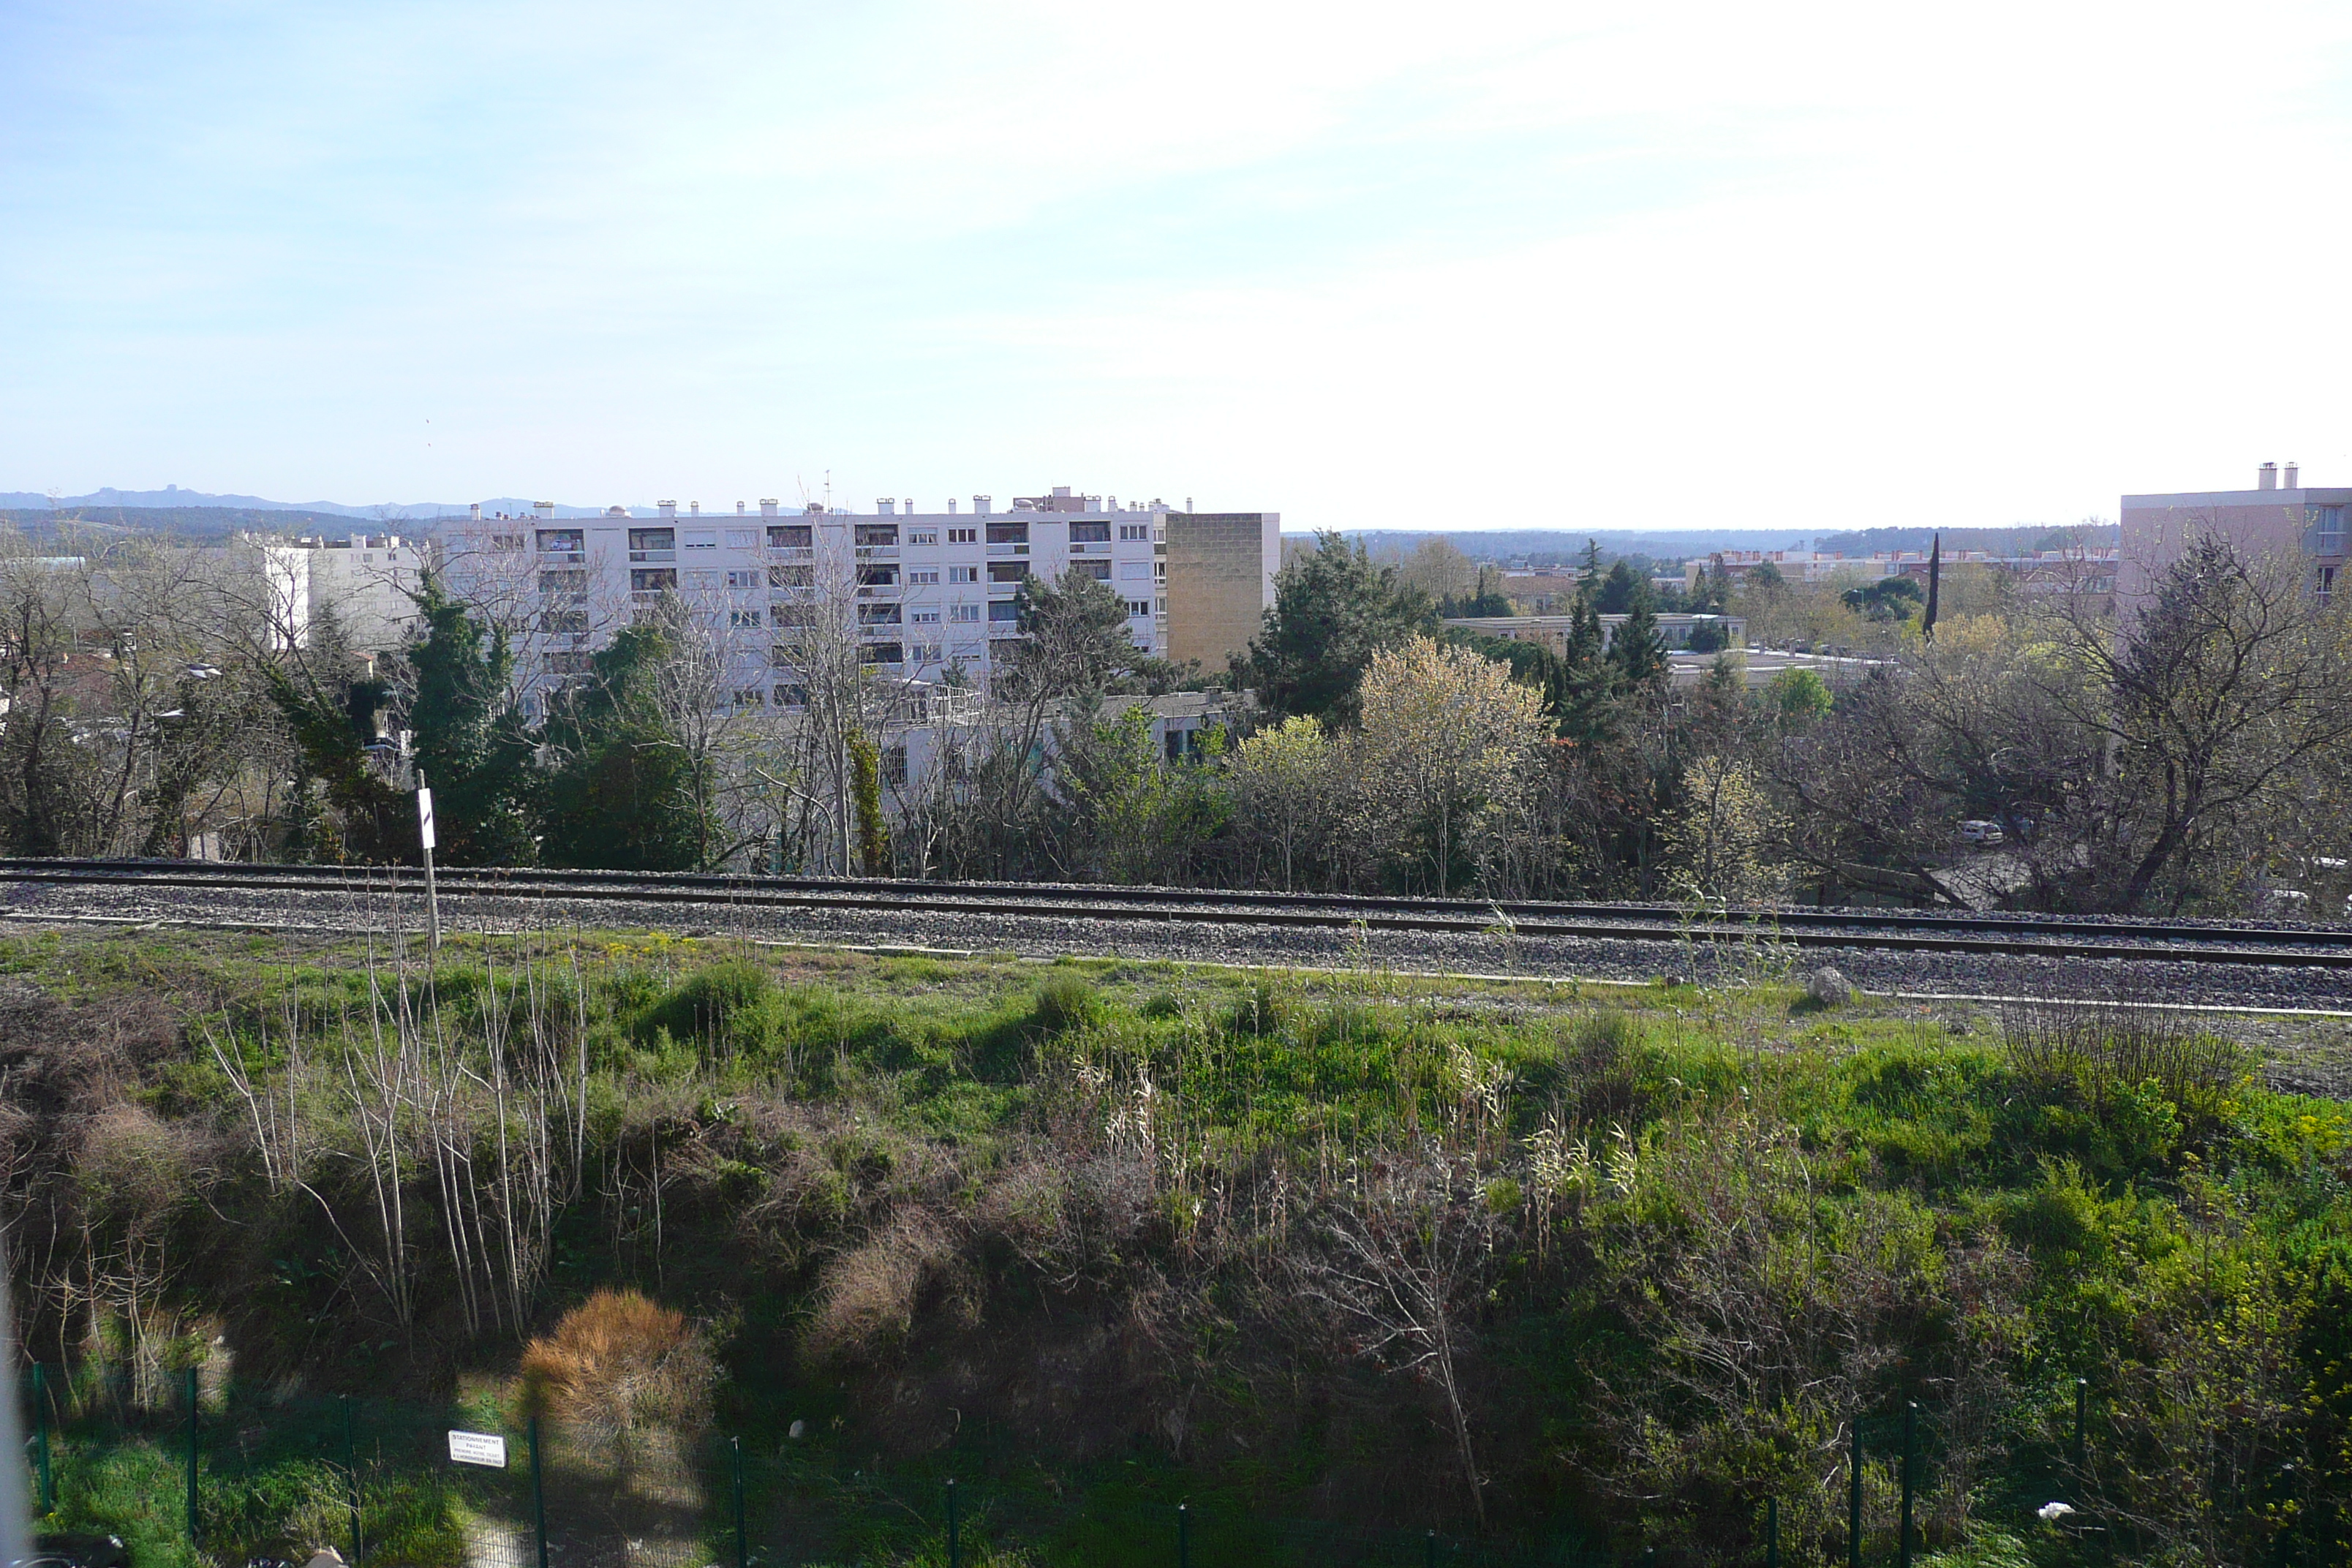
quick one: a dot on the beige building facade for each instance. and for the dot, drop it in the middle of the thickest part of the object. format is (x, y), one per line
(1219, 582)
(2280, 516)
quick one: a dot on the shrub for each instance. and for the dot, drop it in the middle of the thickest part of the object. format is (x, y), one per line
(867, 1299)
(730, 1007)
(1067, 1002)
(615, 1364)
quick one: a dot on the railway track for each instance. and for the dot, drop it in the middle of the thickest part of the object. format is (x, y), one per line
(1984, 936)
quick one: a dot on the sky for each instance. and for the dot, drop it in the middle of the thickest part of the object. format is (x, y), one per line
(1562, 265)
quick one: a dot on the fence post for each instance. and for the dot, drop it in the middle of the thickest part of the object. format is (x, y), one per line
(49, 1499)
(2082, 1419)
(352, 1477)
(538, 1494)
(1429, 1549)
(1903, 1542)
(192, 1529)
(1853, 1500)
(1771, 1532)
(742, 1538)
(1183, 1535)
(955, 1533)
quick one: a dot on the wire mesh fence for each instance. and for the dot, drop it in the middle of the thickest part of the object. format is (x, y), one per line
(220, 1479)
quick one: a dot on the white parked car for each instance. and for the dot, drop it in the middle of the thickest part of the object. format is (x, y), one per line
(1979, 831)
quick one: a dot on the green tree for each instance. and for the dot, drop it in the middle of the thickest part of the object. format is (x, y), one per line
(1888, 599)
(1333, 611)
(621, 794)
(1621, 591)
(1637, 650)
(470, 742)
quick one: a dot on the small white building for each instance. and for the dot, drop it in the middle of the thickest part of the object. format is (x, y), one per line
(364, 580)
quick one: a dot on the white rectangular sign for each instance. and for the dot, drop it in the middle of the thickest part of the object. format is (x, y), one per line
(425, 831)
(477, 1449)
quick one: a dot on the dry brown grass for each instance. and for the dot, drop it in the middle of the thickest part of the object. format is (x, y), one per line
(866, 1303)
(615, 1365)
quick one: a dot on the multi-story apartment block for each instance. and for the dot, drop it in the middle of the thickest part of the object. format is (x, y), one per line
(931, 596)
(2272, 519)
(365, 580)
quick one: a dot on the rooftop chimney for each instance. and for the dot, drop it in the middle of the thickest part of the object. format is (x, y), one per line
(979, 504)
(2268, 478)
(667, 508)
(695, 508)
(886, 507)
(478, 511)
(545, 508)
(2293, 471)
(767, 505)
(738, 508)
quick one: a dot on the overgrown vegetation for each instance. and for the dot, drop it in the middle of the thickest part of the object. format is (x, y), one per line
(1510, 1260)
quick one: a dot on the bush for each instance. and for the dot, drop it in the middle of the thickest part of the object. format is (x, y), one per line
(1067, 1002)
(728, 1006)
(615, 1364)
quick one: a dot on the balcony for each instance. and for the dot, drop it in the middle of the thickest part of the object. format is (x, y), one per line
(563, 558)
(792, 552)
(1008, 550)
(650, 555)
(1095, 549)
(877, 552)
(998, 630)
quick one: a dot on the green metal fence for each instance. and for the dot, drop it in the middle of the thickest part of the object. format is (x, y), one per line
(225, 1479)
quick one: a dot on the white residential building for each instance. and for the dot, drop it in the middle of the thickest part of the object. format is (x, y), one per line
(364, 580)
(934, 592)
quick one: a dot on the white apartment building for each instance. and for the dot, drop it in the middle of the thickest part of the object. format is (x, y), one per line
(934, 592)
(364, 580)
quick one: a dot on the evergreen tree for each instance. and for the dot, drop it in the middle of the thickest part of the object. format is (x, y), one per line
(470, 742)
(621, 795)
(1333, 610)
(1637, 650)
(1620, 589)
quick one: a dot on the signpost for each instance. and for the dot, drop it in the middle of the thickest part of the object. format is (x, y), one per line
(432, 895)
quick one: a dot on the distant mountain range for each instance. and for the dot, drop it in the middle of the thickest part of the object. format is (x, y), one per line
(173, 498)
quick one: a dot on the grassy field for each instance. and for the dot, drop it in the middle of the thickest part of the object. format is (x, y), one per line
(1330, 1257)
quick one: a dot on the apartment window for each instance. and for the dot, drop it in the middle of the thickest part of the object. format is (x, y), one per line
(1008, 533)
(750, 579)
(653, 539)
(784, 656)
(1098, 570)
(877, 614)
(792, 577)
(1003, 610)
(749, 698)
(792, 696)
(652, 579)
(894, 765)
(570, 662)
(704, 539)
(963, 612)
(1132, 531)
(563, 620)
(791, 615)
(877, 576)
(743, 539)
(924, 579)
(562, 541)
(924, 617)
(876, 535)
(922, 536)
(963, 536)
(1138, 607)
(572, 580)
(1090, 533)
(881, 653)
(508, 542)
(740, 618)
(1007, 571)
(964, 573)
(2331, 530)
(2327, 583)
(791, 536)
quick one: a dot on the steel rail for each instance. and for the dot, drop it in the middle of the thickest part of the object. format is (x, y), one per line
(2018, 936)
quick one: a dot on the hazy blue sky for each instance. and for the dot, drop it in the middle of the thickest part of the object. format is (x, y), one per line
(1551, 265)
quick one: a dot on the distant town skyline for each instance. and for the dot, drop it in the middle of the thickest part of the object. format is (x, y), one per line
(1817, 268)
